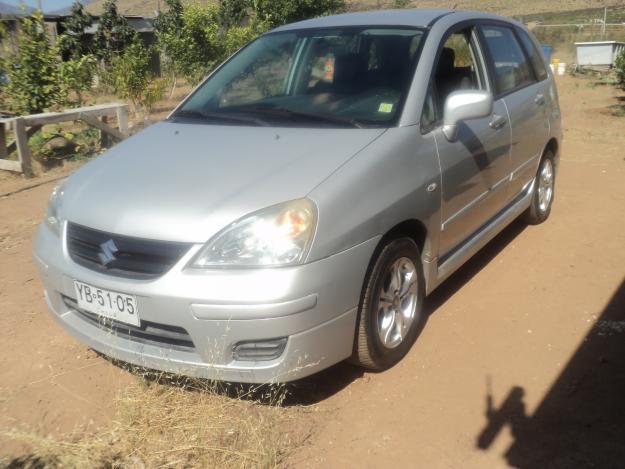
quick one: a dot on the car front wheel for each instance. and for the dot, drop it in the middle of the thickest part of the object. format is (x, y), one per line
(391, 311)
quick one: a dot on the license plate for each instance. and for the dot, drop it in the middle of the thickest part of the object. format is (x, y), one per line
(106, 303)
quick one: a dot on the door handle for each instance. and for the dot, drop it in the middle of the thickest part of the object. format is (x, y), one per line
(539, 99)
(497, 122)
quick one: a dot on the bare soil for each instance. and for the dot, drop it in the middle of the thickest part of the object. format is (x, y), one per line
(520, 364)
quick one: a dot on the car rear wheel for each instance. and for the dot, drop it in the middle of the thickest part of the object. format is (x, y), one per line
(544, 188)
(391, 311)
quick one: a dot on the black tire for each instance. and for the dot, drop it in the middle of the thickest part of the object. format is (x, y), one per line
(537, 213)
(369, 348)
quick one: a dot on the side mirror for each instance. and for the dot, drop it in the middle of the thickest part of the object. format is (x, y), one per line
(465, 105)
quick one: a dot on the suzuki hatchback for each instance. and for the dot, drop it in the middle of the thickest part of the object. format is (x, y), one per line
(298, 206)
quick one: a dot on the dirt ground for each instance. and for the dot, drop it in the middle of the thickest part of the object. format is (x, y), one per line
(520, 364)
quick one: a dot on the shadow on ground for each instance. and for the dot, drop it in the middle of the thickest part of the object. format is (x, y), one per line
(618, 109)
(28, 462)
(580, 422)
(469, 270)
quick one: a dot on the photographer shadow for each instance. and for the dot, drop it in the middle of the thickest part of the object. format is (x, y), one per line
(580, 422)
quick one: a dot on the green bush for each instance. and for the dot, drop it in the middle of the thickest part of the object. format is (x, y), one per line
(196, 38)
(277, 12)
(131, 77)
(77, 76)
(236, 37)
(193, 42)
(50, 147)
(188, 39)
(34, 70)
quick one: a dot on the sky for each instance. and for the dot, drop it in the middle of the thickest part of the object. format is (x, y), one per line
(48, 5)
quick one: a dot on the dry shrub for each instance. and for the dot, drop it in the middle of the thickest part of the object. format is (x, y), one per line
(167, 421)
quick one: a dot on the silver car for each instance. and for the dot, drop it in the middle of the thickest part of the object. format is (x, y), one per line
(295, 209)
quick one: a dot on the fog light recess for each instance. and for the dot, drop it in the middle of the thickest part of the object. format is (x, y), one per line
(259, 350)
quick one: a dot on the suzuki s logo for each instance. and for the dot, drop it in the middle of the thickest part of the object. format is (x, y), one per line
(108, 252)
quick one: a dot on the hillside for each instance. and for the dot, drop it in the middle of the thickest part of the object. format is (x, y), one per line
(503, 7)
(8, 9)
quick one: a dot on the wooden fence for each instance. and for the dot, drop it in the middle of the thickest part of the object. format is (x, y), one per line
(25, 126)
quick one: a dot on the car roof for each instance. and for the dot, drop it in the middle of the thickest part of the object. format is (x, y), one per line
(411, 17)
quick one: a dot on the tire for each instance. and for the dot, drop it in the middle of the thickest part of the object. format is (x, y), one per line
(544, 190)
(381, 341)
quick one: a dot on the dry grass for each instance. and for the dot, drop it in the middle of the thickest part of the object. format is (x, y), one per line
(167, 421)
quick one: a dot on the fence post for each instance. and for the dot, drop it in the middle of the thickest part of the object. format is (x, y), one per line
(105, 142)
(23, 151)
(122, 120)
(3, 141)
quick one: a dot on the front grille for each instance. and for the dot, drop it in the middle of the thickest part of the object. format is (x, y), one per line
(152, 333)
(131, 257)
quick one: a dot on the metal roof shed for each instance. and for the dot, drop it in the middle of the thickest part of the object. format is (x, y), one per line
(598, 53)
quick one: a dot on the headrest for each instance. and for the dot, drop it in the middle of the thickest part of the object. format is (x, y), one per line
(348, 69)
(393, 54)
(446, 61)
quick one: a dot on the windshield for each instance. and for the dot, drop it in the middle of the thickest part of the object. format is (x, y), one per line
(344, 77)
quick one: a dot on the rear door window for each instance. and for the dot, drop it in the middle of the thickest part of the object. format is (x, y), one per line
(509, 63)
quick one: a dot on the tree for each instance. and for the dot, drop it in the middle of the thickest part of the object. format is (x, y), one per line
(33, 71)
(75, 42)
(236, 37)
(168, 27)
(113, 34)
(132, 78)
(193, 42)
(169, 21)
(189, 40)
(233, 12)
(277, 12)
(77, 77)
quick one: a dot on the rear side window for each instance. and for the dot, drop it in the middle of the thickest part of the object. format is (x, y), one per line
(511, 67)
(534, 54)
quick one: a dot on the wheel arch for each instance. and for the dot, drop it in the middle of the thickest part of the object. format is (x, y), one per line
(554, 147)
(411, 228)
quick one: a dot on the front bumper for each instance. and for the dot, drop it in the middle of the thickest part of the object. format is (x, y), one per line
(313, 305)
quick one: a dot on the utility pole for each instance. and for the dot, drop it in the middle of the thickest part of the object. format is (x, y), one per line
(39, 7)
(605, 19)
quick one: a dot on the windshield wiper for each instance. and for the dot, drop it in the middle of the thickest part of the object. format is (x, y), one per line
(219, 116)
(289, 113)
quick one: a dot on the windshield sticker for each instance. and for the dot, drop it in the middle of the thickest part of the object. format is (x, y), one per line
(385, 108)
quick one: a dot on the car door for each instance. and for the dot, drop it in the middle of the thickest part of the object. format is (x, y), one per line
(475, 167)
(524, 89)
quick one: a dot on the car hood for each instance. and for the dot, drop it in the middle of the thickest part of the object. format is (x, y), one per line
(185, 182)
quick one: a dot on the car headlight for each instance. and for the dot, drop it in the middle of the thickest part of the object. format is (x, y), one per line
(53, 219)
(276, 236)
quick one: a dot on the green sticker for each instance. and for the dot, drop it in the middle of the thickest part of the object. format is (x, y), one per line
(385, 108)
